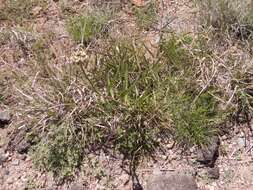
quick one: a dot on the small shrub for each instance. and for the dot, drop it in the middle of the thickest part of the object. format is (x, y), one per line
(4, 87)
(176, 57)
(84, 28)
(242, 83)
(4, 37)
(121, 101)
(232, 23)
(60, 152)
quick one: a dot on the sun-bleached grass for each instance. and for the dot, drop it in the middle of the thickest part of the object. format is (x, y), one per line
(18, 12)
(229, 26)
(233, 18)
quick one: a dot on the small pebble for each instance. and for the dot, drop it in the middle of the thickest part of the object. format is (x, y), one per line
(21, 156)
(241, 142)
(6, 172)
(4, 118)
(3, 158)
(10, 180)
(15, 162)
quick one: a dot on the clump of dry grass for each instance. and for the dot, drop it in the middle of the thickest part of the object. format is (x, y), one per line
(234, 18)
(117, 100)
(18, 12)
(229, 39)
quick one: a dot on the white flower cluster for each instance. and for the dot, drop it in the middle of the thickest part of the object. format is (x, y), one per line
(78, 56)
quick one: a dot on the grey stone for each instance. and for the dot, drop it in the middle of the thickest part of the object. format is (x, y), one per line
(5, 118)
(21, 156)
(3, 158)
(172, 182)
(241, 142)
(23, 147)
(214, 173)
(15, 162)
(76, 186)
(209, 154)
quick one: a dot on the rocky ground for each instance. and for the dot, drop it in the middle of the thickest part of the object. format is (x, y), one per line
(233, 169)
(226, 164)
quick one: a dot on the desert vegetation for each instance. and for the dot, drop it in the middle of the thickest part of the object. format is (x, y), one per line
(112, 93)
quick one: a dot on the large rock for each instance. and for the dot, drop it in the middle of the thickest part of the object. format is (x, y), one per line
(5, 118)
(172, 182)
(210, 153)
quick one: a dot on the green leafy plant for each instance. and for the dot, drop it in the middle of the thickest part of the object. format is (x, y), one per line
(195, 123)
(59, 153)
(194, 115)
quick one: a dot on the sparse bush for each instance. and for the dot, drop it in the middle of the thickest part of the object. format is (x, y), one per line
(121, 101)
(60, 152)
(4, 86)
(195, 116)
(118, 100)
(242, 85)
(196, 122)
(57, 105)
(131, 99)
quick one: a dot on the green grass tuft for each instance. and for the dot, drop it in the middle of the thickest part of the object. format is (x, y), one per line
(84, 28)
